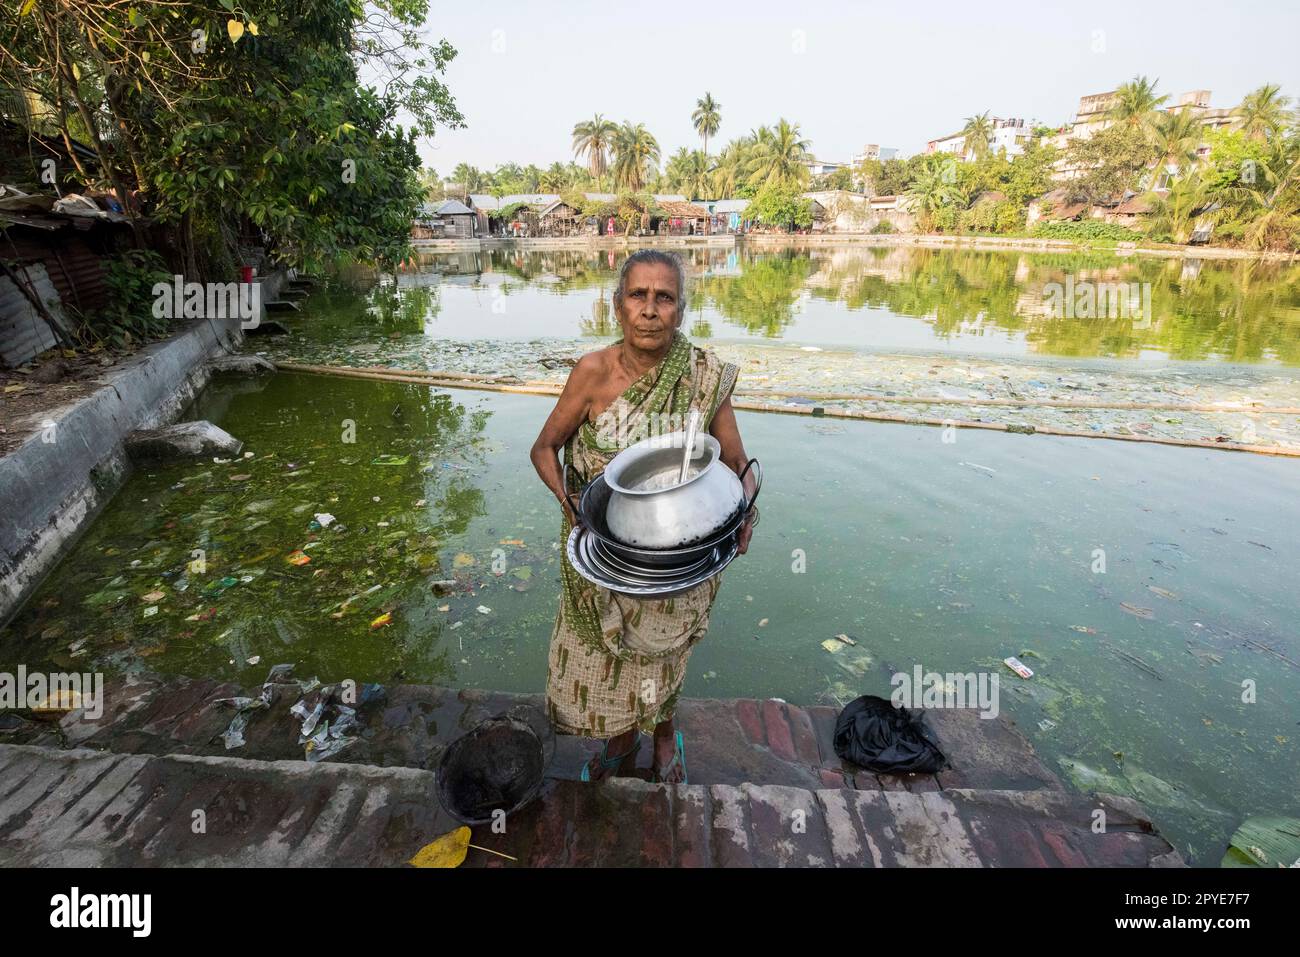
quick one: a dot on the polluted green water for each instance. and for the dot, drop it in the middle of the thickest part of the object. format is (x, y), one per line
(883, 299)
(387, 532)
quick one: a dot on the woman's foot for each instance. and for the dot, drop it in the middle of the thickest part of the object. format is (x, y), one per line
(664, 766)
(610, 759)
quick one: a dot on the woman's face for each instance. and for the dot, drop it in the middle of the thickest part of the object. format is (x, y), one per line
(650, 311)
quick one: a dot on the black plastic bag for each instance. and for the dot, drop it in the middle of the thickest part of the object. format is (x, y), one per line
(871, 733)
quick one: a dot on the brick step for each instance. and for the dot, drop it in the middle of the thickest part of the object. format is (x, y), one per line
(86, 808)
(81, 808)
(630, 823)
(728, 741)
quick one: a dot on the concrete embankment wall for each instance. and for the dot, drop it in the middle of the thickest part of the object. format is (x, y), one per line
(54, 484)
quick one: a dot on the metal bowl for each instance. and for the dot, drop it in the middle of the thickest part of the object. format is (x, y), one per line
(578, 551)
(591, 509)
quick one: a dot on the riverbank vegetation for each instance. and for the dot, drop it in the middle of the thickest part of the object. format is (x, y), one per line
(1178, 180)
(228, 132)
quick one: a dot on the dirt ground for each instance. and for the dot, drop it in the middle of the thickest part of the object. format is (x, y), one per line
(36, 388)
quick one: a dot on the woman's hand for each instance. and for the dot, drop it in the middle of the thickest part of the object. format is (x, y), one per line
(746, 533)
(727, 432)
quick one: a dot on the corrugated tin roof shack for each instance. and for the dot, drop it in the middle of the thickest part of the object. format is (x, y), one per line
(450, 219)
(52, 255)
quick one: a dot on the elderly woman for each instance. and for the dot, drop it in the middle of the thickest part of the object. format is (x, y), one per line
(616, 663)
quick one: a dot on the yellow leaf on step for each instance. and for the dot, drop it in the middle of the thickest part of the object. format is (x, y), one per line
(447, 851)
(384, 619)
(462, 560)
(235, 29)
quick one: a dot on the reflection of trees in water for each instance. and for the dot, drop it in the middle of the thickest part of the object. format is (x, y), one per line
(1241, 311)
(761, 299)
(602, 322)
(393, 308)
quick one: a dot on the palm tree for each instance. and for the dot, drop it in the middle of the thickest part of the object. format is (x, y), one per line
(1177, 137)
(977, 134)
(778, 156)
(636, 154)
(934, 188)
(688, 172)
(1136, 103)
(729, 171)
(468, 177)
(595, 137)
(707, 118)
(1273, 205)
(1177, 213)
(1263, 112)
(556, 178)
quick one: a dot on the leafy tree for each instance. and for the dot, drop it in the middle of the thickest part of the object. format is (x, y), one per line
(779, 204)
(219, 120)
(1111, 161)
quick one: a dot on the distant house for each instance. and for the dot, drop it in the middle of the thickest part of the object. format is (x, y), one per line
(1056, 206)
(725, 215)
(682, 219)
(561, 219)
(450, 219)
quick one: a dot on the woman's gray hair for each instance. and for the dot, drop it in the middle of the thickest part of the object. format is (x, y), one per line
(652, 257)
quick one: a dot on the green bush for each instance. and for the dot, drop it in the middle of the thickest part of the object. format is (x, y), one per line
(1088, 230)
(947, 219)
(128, 316)
(882, 228)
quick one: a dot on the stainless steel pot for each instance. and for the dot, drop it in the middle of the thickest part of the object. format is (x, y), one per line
(649, 508)
(590, 509)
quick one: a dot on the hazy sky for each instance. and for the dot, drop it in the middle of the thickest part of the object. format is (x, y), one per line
(897, 74)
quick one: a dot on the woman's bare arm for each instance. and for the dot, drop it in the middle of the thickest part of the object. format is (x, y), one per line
(571, 410)
(727, 432)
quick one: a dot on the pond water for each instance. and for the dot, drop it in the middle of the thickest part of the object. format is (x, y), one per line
(948, 555)
(882, 299)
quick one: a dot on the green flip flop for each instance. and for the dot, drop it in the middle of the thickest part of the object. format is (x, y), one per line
(606, 762)
(679, 757)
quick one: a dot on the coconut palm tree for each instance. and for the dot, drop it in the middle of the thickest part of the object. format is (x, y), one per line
(977, 135)
(688, 172)
(636, 154)
(595, 137)
(707, 118)
(778, 156)
(1262, 112)
(1136, 103)
(1177, 213)
(729, 170)
(470, 178)
(935, 187)
(1272, 206)
(1177, 137)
